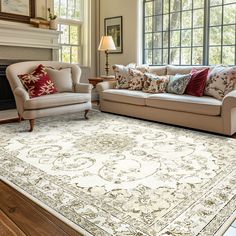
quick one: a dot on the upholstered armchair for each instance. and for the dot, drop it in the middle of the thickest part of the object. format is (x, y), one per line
(72, 96)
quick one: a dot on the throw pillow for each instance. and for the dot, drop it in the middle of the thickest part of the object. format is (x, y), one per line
(155, 83)
(62, 78)
(136, 81)
(221, 81)
(178, 83)
(122, 76)
(197, 82)
(38, 82)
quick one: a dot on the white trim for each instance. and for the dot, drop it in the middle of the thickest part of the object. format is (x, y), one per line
(28, 36)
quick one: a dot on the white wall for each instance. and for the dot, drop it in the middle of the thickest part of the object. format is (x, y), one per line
(130, 11)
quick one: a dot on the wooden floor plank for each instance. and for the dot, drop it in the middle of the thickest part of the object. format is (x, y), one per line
(29, 217)
(8, 227)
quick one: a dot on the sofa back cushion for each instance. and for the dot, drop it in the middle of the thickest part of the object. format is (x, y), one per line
(173, 70)
(62, 79)
(158, 70)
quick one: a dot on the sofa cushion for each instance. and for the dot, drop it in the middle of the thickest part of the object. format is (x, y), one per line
(158, 70)
(221, 81)
(54, 100)
(178, 83)
(38, 82)
(125, 96)
(155, 83)
(197, 82)
(62, 79)
(200, 105)
(173, 70)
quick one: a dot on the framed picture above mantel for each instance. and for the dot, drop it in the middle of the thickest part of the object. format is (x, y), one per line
(113, 26)
(17, 10)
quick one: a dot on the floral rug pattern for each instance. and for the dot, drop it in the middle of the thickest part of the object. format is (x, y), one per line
(114, 175)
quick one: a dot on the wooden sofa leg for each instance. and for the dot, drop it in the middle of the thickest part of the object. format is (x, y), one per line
(85, 114)
(32, 122)
(19, 117)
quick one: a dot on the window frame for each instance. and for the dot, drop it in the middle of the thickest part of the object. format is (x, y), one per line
(71, 22)
(205, 58)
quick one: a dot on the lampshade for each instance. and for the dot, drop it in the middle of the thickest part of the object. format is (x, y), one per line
(106, 43)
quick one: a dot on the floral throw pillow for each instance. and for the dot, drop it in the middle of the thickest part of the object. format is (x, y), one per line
(38, 82)
(221, 81)
(136, 81)
(178, 83)
(122, 76)
(155, 83)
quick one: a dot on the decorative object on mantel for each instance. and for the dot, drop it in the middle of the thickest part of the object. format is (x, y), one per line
(40, 22)
(20, 10)
(106, 44)
(53, 20)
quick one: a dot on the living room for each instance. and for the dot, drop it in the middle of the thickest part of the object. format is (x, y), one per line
(131, 108)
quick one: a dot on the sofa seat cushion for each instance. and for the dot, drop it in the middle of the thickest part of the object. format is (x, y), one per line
(125, 96)
(56, 100)
(200, 105)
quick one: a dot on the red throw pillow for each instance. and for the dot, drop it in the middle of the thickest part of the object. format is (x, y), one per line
(38, 82)
(197, 82)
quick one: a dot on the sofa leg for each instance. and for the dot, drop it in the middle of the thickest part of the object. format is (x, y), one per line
(32, 122)
(85, 114)
(20, 117)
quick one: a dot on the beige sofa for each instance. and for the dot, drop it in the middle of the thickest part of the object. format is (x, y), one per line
(204, 113)
(72, 95)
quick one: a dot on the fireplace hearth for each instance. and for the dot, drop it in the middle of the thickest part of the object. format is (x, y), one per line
(7, 100)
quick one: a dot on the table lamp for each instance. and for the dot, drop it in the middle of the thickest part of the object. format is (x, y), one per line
(106, 44)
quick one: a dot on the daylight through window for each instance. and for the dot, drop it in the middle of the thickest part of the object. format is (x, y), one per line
(189, 32)
(70, 23)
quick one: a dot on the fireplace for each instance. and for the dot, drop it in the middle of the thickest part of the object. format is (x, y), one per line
(22, 42)
(7, 100)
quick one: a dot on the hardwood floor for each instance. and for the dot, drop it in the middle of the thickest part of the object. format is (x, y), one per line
(19, 216)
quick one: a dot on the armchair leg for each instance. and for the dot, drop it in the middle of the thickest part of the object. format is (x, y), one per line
(19, 117)
(85, 114)
(32, 122)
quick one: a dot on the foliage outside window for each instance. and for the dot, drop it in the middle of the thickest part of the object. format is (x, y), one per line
(70, 23)
(189, 32)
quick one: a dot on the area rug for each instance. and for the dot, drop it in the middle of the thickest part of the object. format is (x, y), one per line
(113, 175)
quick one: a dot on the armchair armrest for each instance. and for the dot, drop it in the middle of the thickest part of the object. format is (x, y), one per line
(21, 93)
(83, 88)
(105, 85)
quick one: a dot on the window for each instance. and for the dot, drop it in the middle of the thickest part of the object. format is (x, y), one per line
(189, 32)
(70, 23)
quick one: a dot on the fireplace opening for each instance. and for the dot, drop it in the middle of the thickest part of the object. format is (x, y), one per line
(7, 100)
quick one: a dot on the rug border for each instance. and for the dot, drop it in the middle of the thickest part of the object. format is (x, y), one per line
(226, 225)
(47, 208)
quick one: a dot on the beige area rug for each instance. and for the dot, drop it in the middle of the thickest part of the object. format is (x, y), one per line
(113, 175)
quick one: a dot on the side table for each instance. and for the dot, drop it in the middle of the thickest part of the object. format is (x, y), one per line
(94, 81)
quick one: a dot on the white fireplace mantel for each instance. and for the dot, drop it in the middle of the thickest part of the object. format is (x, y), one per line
(23, 35)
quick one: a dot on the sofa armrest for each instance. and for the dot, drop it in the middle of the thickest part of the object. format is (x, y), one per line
(105, 85)
(83, 88)
(229, 113)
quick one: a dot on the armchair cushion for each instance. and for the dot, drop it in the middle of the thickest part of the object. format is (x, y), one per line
(56, 100)
(61, 78)
(38, 82)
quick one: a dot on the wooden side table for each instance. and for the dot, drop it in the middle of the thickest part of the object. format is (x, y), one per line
(95, 80)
